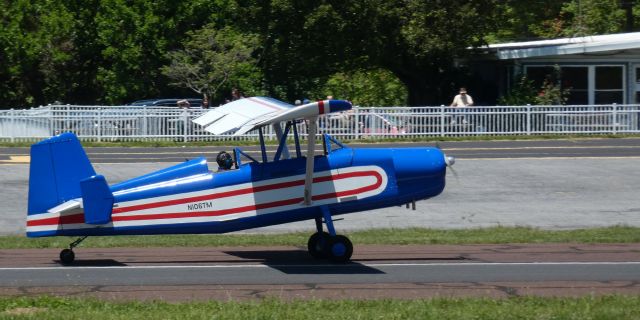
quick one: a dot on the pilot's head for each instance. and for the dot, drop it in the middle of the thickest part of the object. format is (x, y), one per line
(224, 160)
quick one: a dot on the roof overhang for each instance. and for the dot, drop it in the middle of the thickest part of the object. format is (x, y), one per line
(566, 46)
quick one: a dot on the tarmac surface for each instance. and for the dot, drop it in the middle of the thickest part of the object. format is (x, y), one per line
(405, 272)
(551, 184)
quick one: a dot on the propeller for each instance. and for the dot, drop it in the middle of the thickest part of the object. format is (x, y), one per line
(449, 161)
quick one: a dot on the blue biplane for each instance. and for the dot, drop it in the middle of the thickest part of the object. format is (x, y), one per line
(68, 198)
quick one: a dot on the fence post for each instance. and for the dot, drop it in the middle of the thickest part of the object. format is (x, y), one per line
(356, 123)
(51, 122)
(615, 118)
(12, 116)
(185, 122)
(145, 122)
(442, 120)
(528, 119)
(99, 124)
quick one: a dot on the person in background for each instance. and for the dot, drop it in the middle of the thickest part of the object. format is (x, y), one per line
(236, 94)
(205, 102)
(183, 104)
(461, 100)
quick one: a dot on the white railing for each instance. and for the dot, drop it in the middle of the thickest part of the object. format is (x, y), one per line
(126, 123)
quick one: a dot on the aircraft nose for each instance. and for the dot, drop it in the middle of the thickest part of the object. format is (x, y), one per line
(416, 163)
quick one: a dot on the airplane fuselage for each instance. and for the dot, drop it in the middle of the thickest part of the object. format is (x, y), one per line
(190, 199)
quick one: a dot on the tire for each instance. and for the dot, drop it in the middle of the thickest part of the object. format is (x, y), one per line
(317, 244)
(67, 256)
(340, 249)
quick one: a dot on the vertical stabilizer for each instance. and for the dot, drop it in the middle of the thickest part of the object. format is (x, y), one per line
(58, 164)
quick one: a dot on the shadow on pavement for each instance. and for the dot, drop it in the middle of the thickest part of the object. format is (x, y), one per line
(93, 263)
(300, 262)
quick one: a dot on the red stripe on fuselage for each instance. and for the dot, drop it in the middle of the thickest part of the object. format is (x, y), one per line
(321, 107)
(256, 207)
(79, 218)
(248, 190)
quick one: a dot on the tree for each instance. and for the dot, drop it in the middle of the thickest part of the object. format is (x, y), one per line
(589, 17)
(36, 38)
(374, 87)
(135, 36)
(419, 41)
(519, 20)
(212, 58)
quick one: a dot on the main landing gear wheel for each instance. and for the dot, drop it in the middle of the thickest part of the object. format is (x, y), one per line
(67, 256)
(317, 244)
(340, 249)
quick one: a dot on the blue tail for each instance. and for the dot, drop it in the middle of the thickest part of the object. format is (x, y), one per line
(58, 164)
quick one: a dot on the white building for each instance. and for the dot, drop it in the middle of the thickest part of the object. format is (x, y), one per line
(601, 69)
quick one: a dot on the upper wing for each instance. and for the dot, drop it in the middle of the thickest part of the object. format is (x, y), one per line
(232, 116)
(241, 116)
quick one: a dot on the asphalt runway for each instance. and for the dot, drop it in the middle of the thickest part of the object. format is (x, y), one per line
(177, 274)
(551, 184)
(521, 149)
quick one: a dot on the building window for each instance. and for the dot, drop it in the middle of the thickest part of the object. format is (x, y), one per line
(586, 84)
(576, 80)
(609, 85)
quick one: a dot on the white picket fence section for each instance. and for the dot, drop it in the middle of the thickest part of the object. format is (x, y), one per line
(127, 123)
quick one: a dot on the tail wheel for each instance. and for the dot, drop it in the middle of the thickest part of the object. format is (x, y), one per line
(340, 249)
(318, 244)
(67, 256)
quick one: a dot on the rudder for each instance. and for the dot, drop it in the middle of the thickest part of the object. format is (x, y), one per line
(58, 164)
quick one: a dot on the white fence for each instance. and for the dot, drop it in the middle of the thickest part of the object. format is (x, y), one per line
(126, 123)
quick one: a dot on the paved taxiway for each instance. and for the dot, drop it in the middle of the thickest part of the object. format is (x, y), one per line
(548, 184)
(554, 184)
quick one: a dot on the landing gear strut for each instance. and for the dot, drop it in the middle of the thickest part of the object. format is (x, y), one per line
(329, 245)
(66, 255)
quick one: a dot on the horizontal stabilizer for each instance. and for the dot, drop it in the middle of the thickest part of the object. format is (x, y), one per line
(67, 206)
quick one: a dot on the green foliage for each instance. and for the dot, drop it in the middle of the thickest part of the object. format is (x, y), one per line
(366, 88)
(589, 17)
(115, 51)
(551, 94)
(527, 307)
(134, 37)
(521, 20)
(36, 42)
(215, 58)
(521, 93)
(524, 92)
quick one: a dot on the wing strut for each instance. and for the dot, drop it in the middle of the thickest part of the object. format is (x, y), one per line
(311, 145)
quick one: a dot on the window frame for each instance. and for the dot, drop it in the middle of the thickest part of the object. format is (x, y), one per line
(591, 77)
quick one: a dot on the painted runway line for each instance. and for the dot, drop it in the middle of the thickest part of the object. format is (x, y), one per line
(357, 265)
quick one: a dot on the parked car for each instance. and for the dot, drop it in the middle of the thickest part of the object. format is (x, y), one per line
(193, 102)
(373, 123)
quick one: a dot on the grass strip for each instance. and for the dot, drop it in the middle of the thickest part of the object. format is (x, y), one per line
(589, 307)
(495, 235)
